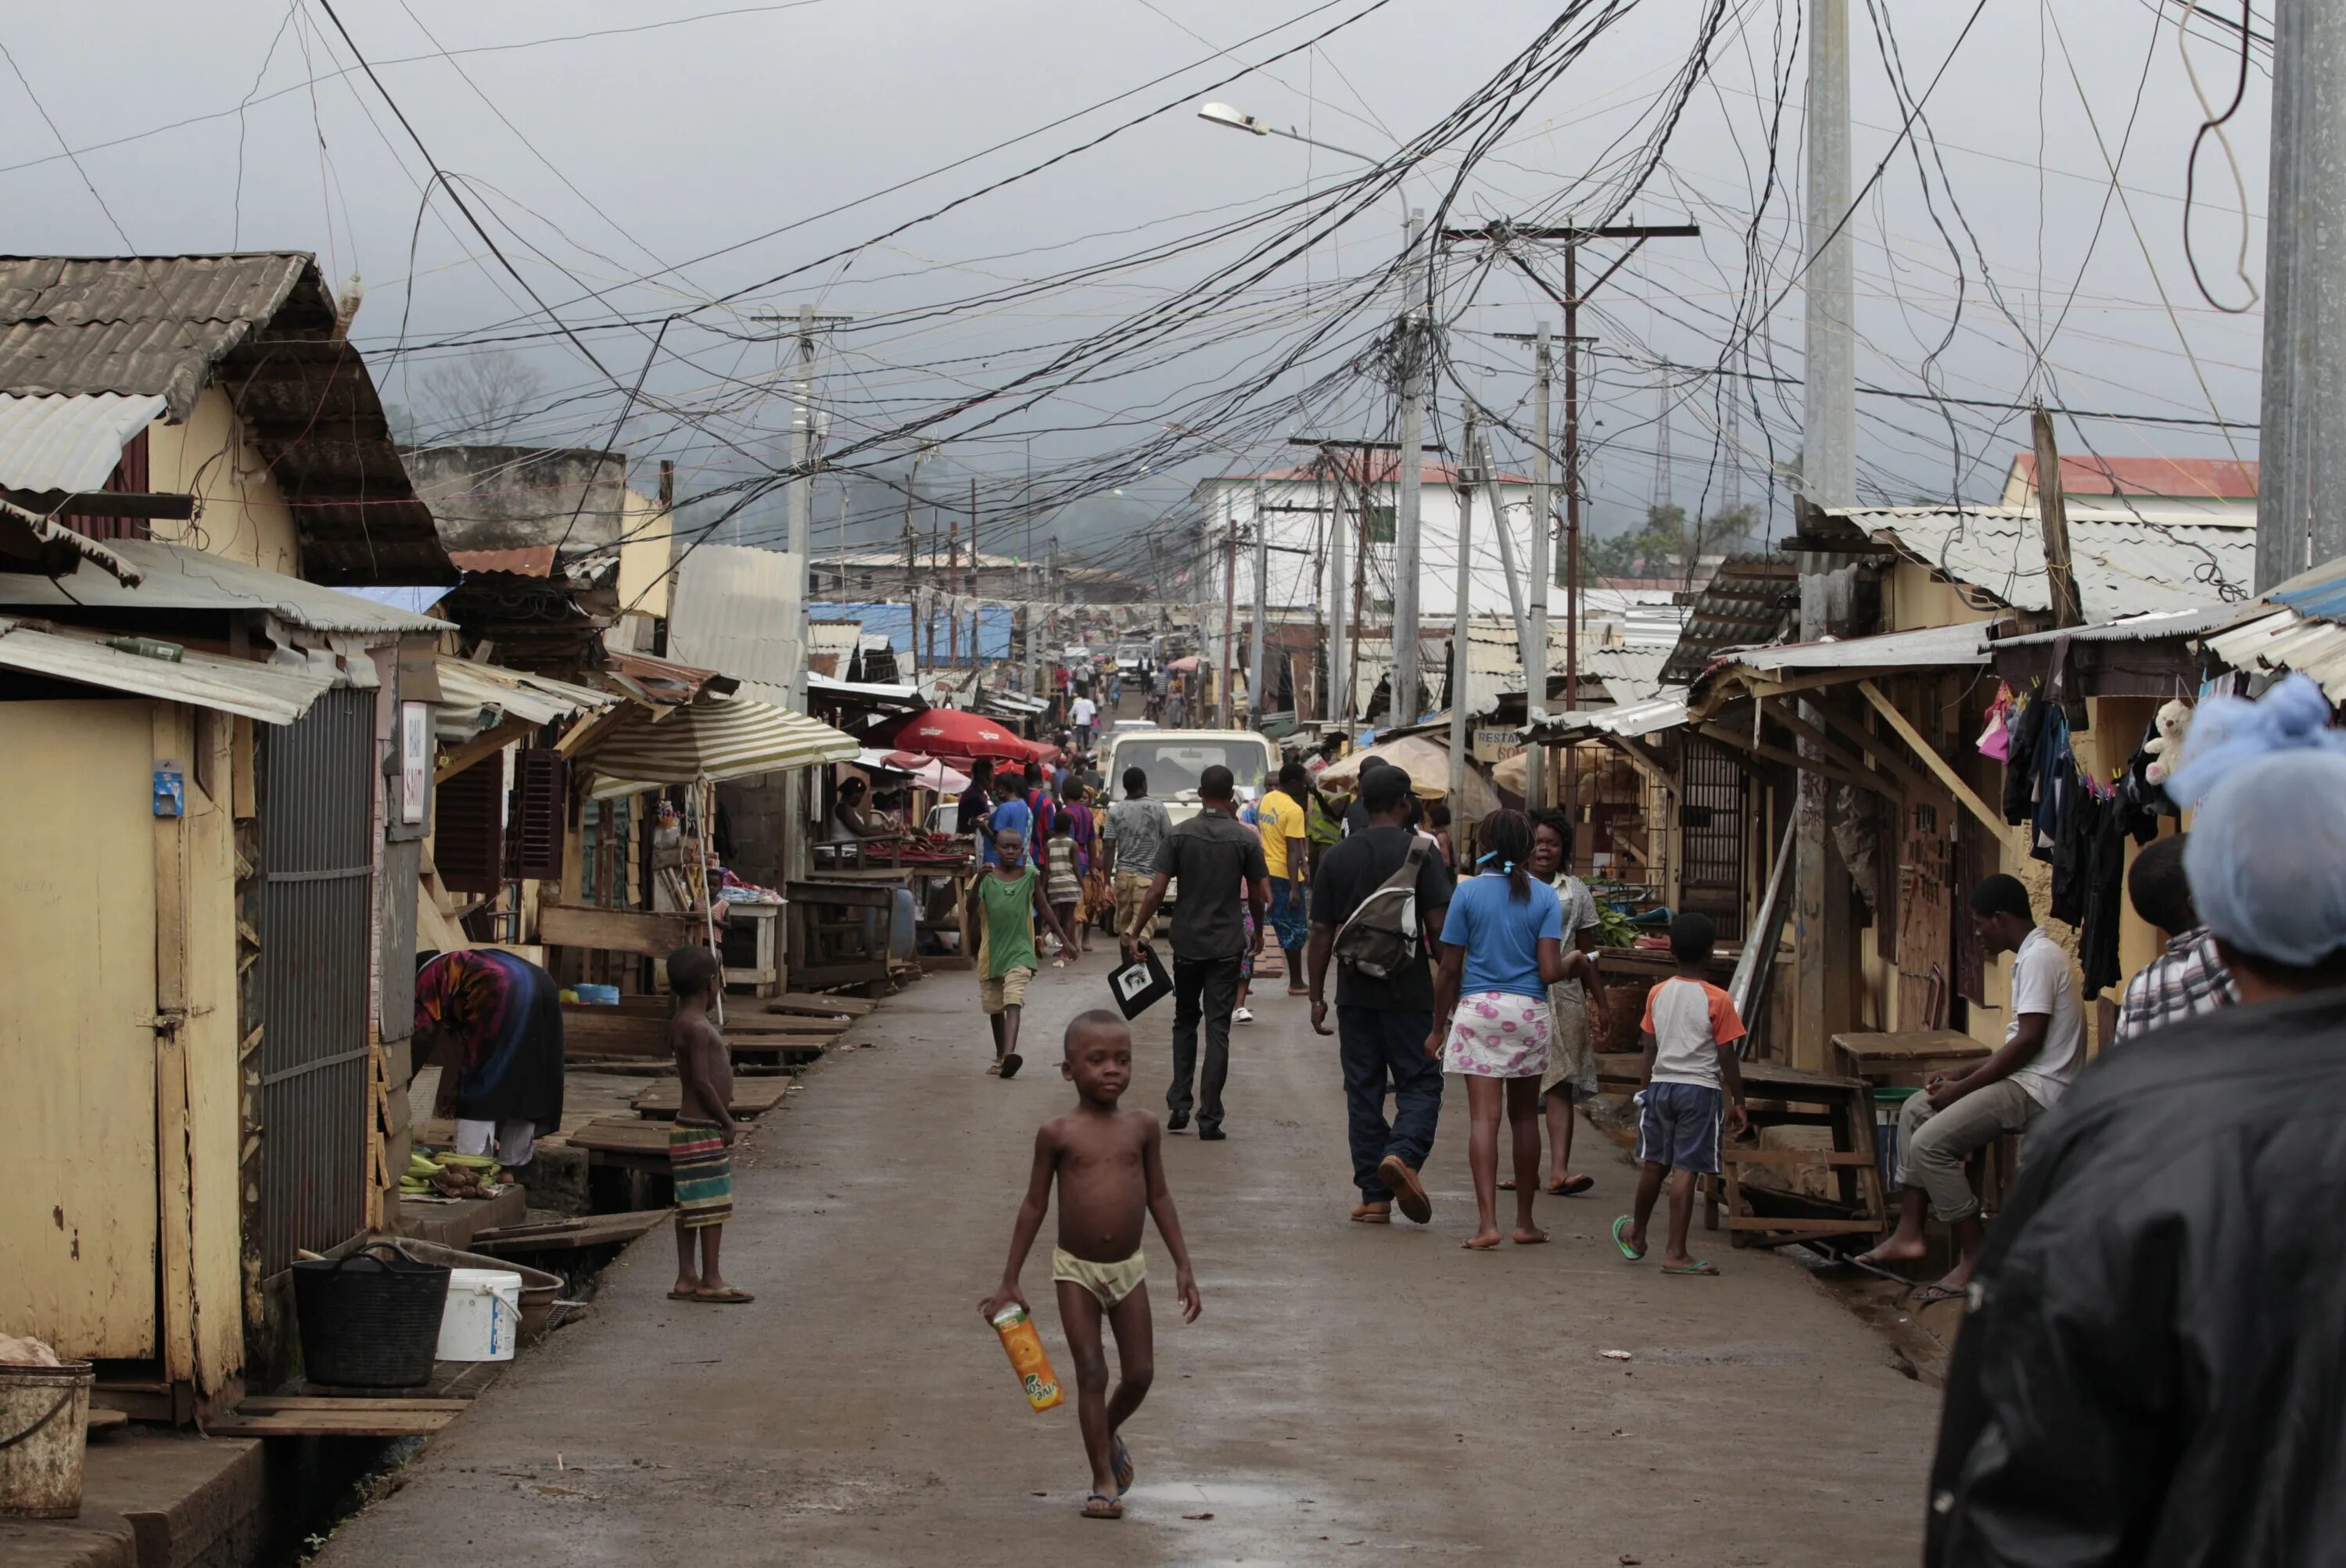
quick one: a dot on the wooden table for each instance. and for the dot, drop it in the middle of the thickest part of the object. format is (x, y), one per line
(1785, 1096)
(1906, 1059)
(762, 924)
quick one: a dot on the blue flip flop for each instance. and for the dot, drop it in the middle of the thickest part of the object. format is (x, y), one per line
(1122, 1468)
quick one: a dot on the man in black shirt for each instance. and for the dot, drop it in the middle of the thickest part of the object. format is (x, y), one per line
(1356, 815)
(1381, 1025)
(1217, 861)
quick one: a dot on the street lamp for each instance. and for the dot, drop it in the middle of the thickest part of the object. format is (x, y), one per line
(1239, 119)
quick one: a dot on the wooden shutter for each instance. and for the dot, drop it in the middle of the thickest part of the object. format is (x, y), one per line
(468, 846)
(541, 801)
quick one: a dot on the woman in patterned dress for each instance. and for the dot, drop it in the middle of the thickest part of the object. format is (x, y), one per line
(1501, 946)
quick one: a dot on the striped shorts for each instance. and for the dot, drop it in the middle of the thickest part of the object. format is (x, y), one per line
(702, 1168)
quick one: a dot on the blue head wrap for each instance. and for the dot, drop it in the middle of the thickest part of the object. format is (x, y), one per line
(2266, 854)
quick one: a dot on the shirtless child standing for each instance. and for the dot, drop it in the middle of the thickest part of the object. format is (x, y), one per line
(1111, 1171)
(701, 1140)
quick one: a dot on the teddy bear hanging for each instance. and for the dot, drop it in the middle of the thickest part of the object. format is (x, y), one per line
(2166, 745)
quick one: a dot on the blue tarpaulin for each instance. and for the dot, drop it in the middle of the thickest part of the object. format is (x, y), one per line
(895, 622)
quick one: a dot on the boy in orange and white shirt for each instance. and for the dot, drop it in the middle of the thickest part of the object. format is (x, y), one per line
(1691, 1030)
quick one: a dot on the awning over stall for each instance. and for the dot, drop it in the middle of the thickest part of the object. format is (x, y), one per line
(273, 694)
(716, 739)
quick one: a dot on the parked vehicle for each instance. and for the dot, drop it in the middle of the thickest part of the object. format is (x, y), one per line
(1174, 760)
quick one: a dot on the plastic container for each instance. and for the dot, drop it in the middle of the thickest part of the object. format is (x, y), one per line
(904, 930)
(1887, 1105)
(1027, 1357)
(482, 1320)
(597, 995)
(370, 1320)
(44, 1428)
(539, 1290)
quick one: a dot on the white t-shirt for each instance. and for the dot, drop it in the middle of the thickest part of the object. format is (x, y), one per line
(1689, 1020)
(1086, 710)
(2041, 984)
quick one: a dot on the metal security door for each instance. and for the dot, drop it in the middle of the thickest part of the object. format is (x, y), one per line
(317, 851)
(1710, 820)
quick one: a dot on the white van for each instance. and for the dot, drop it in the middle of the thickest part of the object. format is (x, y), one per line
(1174, 760)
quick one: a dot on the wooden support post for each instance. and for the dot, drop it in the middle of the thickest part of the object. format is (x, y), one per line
(1962, 792)
(2052, 519)
(175, 1249)
(1884, 783)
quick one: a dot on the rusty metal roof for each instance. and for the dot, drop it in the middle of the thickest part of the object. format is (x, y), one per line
(262, 327)
(1745, 603)
(32, 544)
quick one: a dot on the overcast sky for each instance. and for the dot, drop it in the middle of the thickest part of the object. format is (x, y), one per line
(670, 149)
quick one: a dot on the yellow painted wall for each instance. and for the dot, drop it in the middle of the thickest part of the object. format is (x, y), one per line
(77, 1219)
(242, 515)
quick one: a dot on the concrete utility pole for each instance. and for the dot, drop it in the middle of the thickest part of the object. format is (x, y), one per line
(1461, 653)
(1536, 668)
(1347, 579)
(1409, 475)
(2301, 500)
(801, 486)
(1255, 701)
(1230, 614)
(1339, 709)
(1824, 934)
(1829, 402)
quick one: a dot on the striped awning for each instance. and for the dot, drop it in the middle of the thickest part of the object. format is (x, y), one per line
(718, 738)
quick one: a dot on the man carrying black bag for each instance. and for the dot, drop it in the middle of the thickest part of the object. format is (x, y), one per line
(1384, 991)
(1217, 861)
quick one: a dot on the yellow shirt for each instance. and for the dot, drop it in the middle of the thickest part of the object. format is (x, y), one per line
(1280, 819)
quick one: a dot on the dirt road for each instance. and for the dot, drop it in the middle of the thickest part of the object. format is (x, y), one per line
(1350, 1392)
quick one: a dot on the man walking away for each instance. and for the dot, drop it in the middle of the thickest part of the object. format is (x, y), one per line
(1217, 861)
(2149, 1371)
(1381, 1021)
(2187, 979)
(1135, 826)
(1086, 714)
(1286, 852)
(1959, 1114)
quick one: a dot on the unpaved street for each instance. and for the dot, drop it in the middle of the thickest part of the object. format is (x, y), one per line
(1350, 1392)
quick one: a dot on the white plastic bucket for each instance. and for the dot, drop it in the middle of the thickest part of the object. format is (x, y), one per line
(482, 1321)
(44, 1422)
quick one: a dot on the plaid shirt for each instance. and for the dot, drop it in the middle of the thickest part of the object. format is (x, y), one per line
(2185, 981)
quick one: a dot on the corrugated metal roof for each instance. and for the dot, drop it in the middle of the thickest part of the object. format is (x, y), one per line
(1920, 648)
(1656, 714)
(2133, 629)
(865, 691)
(174, 578)
(2202, 478)
(2285, 640)
(2124, 564)
(663, 680)
(2319, 592)
(1745, 603)
(719, 738)
(36, 544)
(1630, 673)
(264, 327)
(525, 561)
(516, 694)
(273, 694)
(734, 607)
(69, 443)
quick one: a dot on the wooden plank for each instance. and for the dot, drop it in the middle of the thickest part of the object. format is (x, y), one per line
(620, 1135)
(844, 894)
(594, 1230)
(1735, 1155)
(292, 1405)
(739, 1018)
(1941, 769)
(323, 1423)
(1884, 783)
(842, 974)
(176, 1212)
(1793, 1226)
(618, 1035)
(506, 733)
(802, 1001)
(614, 931)
(752, 1097)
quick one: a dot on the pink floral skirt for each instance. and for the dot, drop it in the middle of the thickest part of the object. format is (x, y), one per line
(1498, 1035)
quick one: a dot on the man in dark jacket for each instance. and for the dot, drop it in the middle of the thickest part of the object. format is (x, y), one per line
(2154, 1368)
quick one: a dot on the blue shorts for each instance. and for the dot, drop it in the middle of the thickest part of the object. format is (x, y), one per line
(1680, 1126)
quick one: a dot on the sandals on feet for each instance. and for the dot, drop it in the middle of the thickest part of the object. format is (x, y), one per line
(1570, 1187)
(1099, 1505)
(1122, 1468)
(1011, 1064)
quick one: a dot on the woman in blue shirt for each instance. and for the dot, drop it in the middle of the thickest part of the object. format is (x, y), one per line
(1502, 947)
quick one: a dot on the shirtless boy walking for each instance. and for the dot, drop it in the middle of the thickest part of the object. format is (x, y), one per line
(1110, 1167)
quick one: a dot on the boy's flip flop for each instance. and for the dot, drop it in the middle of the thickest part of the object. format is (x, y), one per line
(1931, 1295)
(1571, 1186)
(1100, 1505)
(1122, 1468)
(1697, 1267)
(1620, 1241)
(1011, 1064)
(729, 1297)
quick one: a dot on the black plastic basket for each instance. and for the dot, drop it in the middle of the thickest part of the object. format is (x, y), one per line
(370, 1320)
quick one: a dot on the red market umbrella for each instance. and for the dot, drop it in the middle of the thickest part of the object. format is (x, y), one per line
(952, 734)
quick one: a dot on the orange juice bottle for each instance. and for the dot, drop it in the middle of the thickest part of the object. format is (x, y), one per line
(1027, 1357)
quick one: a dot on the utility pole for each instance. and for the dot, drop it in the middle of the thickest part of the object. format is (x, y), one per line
(2301, 502)
(1536, 668)
(1461, 652)
(1408, 473)
(1229, 613)
(1338, 705)
(1572, 237)
(1344, 645)
(800, 493)
(1255, 701)
(1824, 933)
